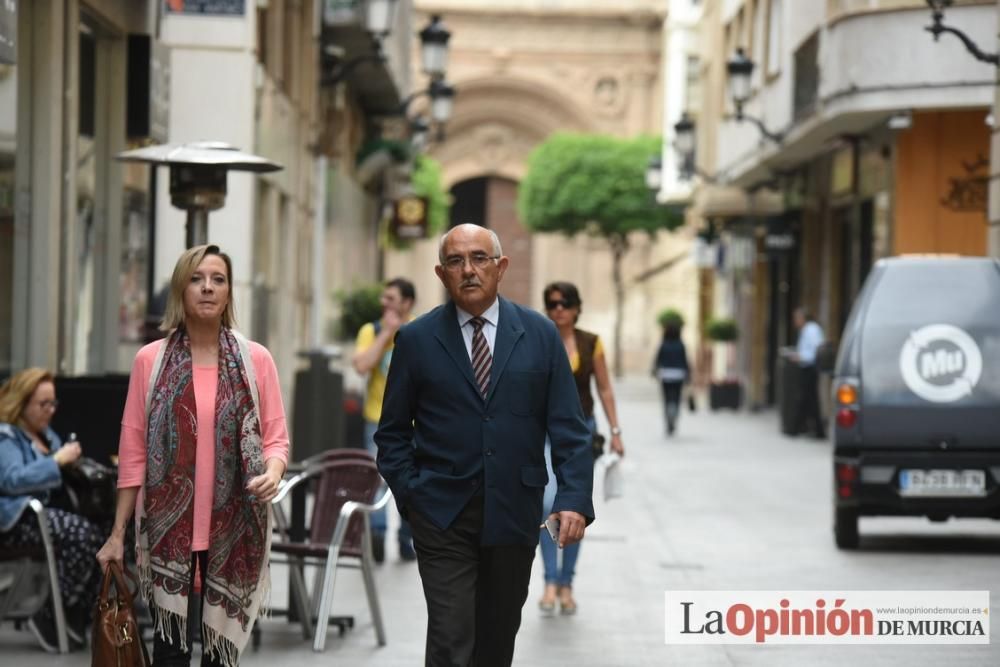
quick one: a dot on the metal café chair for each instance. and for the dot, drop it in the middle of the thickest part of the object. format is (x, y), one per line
(19, 599)
(347, 481)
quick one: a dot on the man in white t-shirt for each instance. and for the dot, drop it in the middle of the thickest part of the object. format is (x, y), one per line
(807, 407)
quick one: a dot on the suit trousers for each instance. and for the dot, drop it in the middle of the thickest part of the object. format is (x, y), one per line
(474, 593)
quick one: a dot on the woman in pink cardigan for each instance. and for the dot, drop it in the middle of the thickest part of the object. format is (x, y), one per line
(203, 447)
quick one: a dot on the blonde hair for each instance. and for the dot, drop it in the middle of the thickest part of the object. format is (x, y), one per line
(17, 391)
(187, 264)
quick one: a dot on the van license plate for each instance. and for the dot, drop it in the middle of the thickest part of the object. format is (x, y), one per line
(942, 483)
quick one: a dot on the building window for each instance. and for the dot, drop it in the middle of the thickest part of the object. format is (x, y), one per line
(774, 29)
(8, 154)
(806, 77)
(758, 40)
(692, 84)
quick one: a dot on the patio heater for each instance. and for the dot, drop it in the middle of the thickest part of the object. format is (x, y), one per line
(198, 177)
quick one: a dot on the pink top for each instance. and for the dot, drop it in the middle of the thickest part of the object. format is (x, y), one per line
(132, 446)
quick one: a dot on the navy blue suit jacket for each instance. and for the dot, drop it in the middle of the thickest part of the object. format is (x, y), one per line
(438, 439)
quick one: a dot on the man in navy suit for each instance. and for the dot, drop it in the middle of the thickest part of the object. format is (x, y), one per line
(474, 387)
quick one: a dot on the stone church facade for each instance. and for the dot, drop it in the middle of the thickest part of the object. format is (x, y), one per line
(524, 69)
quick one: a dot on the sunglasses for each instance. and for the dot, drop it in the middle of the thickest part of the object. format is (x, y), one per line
(565, 304)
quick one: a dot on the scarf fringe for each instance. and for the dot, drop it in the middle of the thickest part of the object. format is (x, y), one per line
(219, 647)
(264, 611)
(164, 619)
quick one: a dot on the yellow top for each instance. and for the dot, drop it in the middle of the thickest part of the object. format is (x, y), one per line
(574, 359)
(377, 375)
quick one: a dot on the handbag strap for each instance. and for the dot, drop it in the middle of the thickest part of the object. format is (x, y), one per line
(114, 572)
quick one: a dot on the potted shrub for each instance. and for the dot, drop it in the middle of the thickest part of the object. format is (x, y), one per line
(670, 316)
(358, 306)
(727, 393)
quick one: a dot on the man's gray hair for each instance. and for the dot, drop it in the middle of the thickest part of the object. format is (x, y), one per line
(497, 250)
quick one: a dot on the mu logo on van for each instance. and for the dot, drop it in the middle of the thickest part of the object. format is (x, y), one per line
(940, 363)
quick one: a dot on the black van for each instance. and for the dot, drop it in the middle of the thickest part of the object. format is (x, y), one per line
(917, 394)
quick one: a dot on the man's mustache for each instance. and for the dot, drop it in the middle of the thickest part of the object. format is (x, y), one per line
(471, 282)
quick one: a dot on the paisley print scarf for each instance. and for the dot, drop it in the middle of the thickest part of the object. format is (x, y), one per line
(235, 583)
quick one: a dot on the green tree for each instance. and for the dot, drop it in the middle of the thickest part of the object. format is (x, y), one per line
(594, 184)
(427, 182)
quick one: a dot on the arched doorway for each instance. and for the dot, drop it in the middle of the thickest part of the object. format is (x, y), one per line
(491, 201)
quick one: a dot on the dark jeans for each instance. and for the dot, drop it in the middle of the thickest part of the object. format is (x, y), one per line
(672, 402)
(474, 593)
(807, 408)
(169, 653)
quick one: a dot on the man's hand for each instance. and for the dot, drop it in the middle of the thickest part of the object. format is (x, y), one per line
(391, 320)
(571, 527)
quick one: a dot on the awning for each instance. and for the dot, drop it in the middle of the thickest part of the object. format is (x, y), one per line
(723, 201)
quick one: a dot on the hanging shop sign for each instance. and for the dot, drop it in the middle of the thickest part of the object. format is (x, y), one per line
(409, 218)
(205, 7)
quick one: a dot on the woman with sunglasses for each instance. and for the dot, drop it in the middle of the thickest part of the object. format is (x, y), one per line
(587, 360)
(31, 459)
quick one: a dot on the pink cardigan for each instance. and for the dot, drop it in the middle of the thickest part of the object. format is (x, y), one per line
(132, 446)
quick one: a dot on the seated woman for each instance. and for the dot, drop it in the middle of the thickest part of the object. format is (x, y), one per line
(31, 456)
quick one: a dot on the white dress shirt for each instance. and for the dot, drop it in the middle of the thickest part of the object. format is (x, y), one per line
(492, 316)
(810, 338)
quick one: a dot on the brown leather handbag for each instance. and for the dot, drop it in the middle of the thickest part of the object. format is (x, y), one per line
(116, 641)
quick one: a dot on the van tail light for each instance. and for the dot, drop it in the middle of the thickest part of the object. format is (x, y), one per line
(847, 476)
(847, 418)
(847, 394)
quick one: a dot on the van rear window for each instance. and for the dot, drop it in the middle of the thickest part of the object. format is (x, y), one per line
(932, 331)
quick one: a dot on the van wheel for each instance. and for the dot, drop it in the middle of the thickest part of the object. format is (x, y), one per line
(845, 528)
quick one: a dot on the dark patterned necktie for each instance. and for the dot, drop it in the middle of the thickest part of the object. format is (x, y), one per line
(482, 360)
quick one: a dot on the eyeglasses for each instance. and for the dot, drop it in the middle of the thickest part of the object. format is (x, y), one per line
(48, 405)
(478, 260)
(565, 304)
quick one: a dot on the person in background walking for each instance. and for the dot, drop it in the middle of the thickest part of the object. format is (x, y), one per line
(204, 438)
(586, 360)
(372, 354)
(810, 339)
(672, 370)
(32, 457)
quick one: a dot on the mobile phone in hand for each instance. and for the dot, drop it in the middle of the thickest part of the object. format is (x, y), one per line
(552, 525)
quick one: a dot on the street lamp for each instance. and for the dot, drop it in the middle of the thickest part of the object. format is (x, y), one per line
(654, 174)
(938, 27)
(740, 69)
(684, 145)
(198, 177)
(419, 132)
(442, 100)
(434, 47)
(379, 17)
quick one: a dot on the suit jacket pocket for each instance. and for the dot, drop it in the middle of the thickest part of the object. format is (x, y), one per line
(527, 392)
(536, 476)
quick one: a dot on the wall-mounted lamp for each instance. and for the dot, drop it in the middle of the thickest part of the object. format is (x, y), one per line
(684, 146)
(379, 19)
(938, 27)
(434, 47)
(740, 69)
